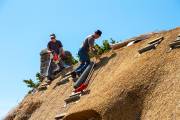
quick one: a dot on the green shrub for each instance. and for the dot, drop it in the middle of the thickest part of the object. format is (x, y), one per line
(74, 61)
(70, 60)
(30, 83)
(100, 49)
(33, 84)
(113, 41)
(106, 46)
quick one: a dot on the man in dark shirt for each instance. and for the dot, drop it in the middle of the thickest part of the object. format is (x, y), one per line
(83, 52)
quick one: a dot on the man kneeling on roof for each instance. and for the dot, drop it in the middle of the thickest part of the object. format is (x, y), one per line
(83, 53)
(56, 48)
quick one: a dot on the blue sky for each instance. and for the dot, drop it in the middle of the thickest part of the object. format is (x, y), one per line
(25, 26)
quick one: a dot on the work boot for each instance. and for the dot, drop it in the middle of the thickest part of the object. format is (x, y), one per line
(74, 79)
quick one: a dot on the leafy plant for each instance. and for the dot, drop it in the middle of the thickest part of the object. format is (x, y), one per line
(30, 83)
(106, 46)
(74, 61)
(69, 59)
(33, 84)
(113, 41)
(100, 49)
(38, 77)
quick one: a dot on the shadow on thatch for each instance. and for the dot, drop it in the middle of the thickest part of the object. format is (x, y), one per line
(84, 115)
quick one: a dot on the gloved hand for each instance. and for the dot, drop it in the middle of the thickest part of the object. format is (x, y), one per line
(94, 51)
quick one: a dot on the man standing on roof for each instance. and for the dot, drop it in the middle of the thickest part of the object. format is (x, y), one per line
(83, 52)
(56, 47)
